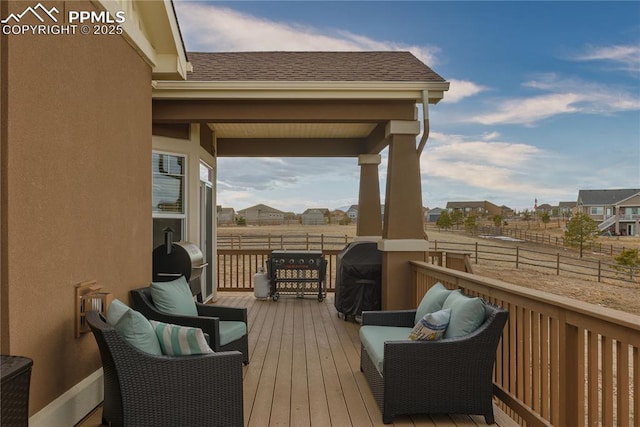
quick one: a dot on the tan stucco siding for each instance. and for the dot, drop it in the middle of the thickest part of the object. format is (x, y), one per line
(78, 192)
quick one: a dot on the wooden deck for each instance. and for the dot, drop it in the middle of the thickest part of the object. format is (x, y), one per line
(305, 369)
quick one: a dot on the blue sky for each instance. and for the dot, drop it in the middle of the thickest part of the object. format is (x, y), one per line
(544, 98)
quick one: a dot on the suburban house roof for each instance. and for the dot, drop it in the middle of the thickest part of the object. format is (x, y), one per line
(262, 208)
(605, 197)
(472, 204)
(322, 211)
(388, 66)
(567, 204)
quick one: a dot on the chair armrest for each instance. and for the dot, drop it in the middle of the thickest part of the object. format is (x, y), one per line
(222, 312)
(402, 318)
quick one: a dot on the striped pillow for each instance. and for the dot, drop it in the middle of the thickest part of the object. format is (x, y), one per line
(180, 340)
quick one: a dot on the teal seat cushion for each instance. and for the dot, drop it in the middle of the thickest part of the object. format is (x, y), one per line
(231, 331)
(432, 301)
(134, 327)
(174, 297)
(373, 338)
(466, 314)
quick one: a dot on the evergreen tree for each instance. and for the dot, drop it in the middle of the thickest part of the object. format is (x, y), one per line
(444, 220)
(471, 224)
(629, 259)
(457, 217)
(581, 232)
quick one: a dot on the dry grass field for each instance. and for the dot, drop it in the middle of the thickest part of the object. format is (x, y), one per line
(619, 296)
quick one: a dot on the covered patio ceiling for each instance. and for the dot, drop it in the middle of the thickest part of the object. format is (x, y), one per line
(290, 104)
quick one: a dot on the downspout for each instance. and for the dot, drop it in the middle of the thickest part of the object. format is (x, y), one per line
(425, 121)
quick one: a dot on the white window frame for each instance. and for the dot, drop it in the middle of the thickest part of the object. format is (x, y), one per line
(185, 192)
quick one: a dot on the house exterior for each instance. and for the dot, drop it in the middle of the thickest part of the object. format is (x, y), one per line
(480, 208)
(352, 212)
(616, 210)
(109, 139)
(226, 216)
(432, 215)
(566, 209)
(315, 216)
(262, 215)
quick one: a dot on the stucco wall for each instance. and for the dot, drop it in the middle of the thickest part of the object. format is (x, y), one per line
(77, 193)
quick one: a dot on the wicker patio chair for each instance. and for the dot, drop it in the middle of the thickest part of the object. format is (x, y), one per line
(449, 376)
(142, 389)
(208, 319)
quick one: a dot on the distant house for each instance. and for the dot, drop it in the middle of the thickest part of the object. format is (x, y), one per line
(479, 208)
(432, 215)
(615, 210)
(315, 216)
(226, 216)
(544, 208)
(506, 211)
(352, 212)
(565, 209)
(262, 215)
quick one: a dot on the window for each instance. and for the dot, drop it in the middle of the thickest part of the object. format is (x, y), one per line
(168, 195)
(597, 210)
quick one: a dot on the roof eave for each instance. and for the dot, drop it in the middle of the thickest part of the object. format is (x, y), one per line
(298, 90)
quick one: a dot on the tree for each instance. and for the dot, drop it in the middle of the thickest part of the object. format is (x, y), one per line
(526, 215)
(581, 232)
(497, 220)
(471, 224)
(545, 217)
(444, 220)
(456, 217)
(629, 259)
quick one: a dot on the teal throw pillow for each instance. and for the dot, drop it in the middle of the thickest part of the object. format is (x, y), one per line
(174, 297)
(178, 340)
(431, 327)
(115, 311)
(133, 327)
(466, 314)
(432, 301)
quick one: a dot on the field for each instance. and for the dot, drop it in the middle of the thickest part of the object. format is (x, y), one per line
(620, 296)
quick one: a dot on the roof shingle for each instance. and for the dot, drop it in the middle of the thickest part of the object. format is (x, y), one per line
(387, 66)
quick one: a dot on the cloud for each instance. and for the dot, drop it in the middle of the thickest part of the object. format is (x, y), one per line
(213, 28)
(568, 96)
(625, 57)
(460, 89)
(476, 166)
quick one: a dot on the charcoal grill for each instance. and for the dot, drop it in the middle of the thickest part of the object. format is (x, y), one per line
(297, 273)
(174, 259)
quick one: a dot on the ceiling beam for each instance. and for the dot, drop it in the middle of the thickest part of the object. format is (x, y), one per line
(377, 139)
(290, 147)
(288, 111)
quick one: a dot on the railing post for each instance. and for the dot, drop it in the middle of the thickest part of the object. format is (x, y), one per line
(571, 375)
(307, 241)
(322, 241)
(517, 256)
(558, 264)
(476, 252)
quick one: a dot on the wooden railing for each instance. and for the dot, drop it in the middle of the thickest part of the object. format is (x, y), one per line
(236, 268)
(561, 362)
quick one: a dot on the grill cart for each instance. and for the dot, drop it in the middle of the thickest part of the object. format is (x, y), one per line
(298, 273)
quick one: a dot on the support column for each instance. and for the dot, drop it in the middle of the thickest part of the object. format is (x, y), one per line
(369, 227)
(403, 237)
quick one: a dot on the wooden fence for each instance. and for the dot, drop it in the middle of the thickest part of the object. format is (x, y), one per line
(283, 241)
(561, 362)
(547, 239)
(559, 263)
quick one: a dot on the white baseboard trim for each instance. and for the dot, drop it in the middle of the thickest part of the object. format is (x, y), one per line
(72, 406)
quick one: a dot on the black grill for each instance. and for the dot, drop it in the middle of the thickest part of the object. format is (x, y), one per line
(174, 259)
(299, 273)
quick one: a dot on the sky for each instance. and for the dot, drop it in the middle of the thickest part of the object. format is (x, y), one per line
(544, 96)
